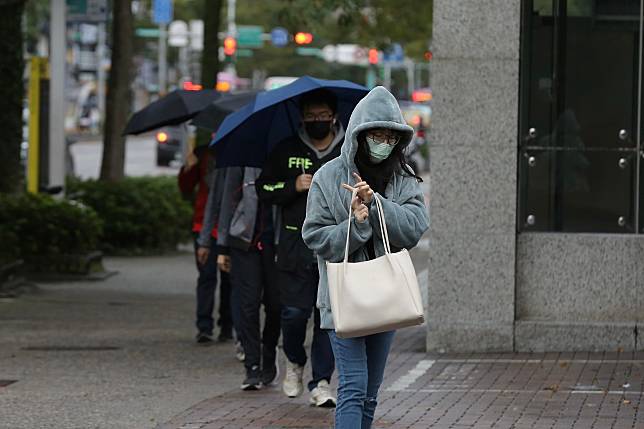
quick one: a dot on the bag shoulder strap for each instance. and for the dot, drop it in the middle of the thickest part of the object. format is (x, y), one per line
(381, 220)
(383, 224)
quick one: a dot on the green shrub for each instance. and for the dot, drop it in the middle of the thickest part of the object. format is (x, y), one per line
(139, 214)
(39, 228)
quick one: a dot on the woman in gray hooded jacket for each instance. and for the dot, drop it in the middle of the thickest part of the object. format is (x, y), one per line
(372, 161)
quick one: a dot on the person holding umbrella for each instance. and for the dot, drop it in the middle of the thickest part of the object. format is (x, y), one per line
(243, 142)
(284, 182)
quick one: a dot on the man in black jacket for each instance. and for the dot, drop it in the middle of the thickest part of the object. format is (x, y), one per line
(285, 181)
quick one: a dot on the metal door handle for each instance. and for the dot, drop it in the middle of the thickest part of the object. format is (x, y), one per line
(532, 133)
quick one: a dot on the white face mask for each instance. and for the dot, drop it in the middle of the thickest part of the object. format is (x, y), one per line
(378, 152)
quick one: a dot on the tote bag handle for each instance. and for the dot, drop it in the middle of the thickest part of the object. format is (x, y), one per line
(381, 220)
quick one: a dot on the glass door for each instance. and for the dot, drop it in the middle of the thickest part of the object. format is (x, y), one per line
(580, 116)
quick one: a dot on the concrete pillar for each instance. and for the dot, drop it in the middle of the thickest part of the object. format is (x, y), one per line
(475, 84)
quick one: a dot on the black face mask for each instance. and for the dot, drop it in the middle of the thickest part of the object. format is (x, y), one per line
(318, 129)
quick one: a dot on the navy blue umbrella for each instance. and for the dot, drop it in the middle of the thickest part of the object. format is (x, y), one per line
(246, 137)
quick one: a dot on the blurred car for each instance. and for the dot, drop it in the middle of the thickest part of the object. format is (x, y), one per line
(170, 143)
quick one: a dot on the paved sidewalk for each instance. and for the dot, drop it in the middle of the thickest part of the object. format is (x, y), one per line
(541, 390)
(116, 354)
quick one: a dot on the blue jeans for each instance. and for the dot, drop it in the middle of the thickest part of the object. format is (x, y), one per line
(361, 366)
(294, 321)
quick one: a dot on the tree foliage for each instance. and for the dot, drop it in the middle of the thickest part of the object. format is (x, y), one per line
(11, 94)
(376, 23)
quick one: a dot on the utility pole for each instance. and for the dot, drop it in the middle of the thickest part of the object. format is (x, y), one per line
(387, 75)
(232, 32)
(163, 58)
(100, 72)
(410, 66)
(57, 56)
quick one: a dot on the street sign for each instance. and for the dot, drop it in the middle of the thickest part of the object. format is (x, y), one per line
(88, 33)
(152, 33)
(196, 35)
(178, 34)
(249, 36)
(244, 53)
(279, 37)
(86, 10)
(309, 52)
(345, 54)
(162, 13)
(394, 54)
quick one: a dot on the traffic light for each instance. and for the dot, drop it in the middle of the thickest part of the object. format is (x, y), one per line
(230, 46)
(428, 55)
(302, 38)
(373, 56)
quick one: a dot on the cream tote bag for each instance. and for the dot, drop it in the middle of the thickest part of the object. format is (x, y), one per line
(374, 296)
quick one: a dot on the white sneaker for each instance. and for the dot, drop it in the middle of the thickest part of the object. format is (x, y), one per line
(292, 385)
(321, 396)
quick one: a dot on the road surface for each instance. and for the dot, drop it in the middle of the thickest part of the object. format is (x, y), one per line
(140, 158)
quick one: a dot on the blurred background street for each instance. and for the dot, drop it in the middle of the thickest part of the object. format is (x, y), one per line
(140, 158)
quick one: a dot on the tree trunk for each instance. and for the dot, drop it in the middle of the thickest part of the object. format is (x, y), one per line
(117, 102)
(11, 94)
(210, 53)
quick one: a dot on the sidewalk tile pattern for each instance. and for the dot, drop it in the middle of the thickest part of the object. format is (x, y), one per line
(458, 391)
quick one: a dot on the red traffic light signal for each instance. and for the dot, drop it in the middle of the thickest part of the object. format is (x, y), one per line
(302, 38)
(429, 55)
(373, 56)
(230, 46)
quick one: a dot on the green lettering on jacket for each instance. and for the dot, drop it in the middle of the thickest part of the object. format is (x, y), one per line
(270, 188)
(299, 163)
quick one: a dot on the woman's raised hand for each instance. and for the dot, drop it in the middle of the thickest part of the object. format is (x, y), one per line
(364, 190)
(360, 211)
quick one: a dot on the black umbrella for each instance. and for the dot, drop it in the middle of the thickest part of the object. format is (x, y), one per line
(212, 116)
(173, 109)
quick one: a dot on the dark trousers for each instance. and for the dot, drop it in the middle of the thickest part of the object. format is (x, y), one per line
(254, 277)
(294, 321)
(299, 287)
(206, 287)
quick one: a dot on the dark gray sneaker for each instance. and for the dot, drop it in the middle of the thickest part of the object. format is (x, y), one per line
(253, 380)
(204, 339)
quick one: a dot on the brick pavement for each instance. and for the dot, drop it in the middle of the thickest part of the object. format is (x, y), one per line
(513, 391)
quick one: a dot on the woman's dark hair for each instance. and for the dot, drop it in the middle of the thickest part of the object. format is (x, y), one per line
(396, 161)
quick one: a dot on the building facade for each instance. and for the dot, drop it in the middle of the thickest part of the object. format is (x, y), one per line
(537, 208)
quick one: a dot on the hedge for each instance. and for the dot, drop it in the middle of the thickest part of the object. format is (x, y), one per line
(39, 229)
(140, 215)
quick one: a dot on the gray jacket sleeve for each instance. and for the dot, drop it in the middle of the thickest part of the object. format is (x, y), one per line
(213, 207)
(229, 199)
(406, 218)
(324, 235)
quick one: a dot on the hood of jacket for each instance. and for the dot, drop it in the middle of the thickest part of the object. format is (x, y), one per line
(378, 109)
